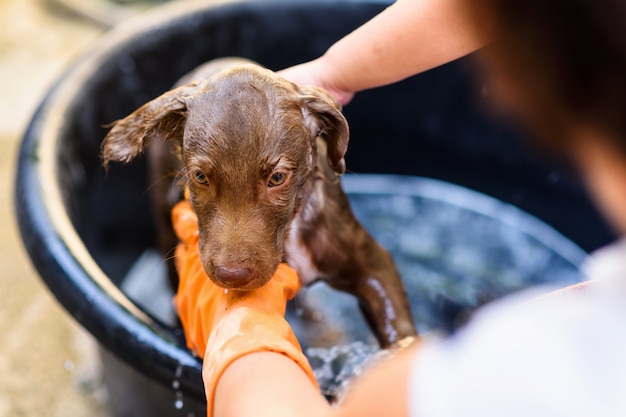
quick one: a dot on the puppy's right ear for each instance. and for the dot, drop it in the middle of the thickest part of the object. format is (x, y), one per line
(164, 116)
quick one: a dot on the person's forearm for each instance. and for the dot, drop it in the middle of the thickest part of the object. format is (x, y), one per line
(407, 38)
(267, 384)
(270, 384)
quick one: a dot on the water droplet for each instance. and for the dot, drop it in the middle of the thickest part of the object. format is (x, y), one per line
(176, 384)
(179, 371)
(178, 404)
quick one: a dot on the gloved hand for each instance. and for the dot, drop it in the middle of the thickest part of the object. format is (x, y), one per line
(222, 325)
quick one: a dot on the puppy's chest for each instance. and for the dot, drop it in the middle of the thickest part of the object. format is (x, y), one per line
(298, 256)
(298, 247)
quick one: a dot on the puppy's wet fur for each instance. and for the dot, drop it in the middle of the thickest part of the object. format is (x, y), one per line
(261, 158)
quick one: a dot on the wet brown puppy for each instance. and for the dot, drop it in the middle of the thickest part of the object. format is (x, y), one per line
(261, 158)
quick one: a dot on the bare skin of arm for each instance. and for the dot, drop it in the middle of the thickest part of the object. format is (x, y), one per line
(267, 384)
(409, 37)
(270, 384)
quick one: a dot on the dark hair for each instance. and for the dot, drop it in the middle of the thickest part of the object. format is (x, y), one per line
(564, 61)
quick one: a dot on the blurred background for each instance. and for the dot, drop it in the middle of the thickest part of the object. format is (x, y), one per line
(48, 364)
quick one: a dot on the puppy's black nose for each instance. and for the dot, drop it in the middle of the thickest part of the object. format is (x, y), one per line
(234, 276)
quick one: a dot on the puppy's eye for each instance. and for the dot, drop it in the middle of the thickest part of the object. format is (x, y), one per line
(277, 178)
(200, 177)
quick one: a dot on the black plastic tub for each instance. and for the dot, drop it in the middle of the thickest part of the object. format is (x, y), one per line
(84, 228)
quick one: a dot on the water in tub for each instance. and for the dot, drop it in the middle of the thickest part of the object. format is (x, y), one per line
(455, 249)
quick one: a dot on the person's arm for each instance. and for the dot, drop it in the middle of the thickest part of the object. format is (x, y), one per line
(409, 37)
(267, 384)
(270, 384)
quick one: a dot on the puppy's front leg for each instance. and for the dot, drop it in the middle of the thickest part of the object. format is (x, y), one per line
(348, 258)
(371, 275)
(381, 293)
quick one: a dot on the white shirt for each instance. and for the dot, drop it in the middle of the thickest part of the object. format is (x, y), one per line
(556, 356)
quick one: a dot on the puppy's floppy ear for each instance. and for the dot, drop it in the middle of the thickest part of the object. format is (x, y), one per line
(323, 116)
(164, 116)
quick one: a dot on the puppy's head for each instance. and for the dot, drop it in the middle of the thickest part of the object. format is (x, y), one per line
(248, 145)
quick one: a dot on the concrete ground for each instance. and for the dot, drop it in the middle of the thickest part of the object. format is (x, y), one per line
(48, 364)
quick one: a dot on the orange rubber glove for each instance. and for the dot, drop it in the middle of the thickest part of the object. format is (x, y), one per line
(222, 325)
